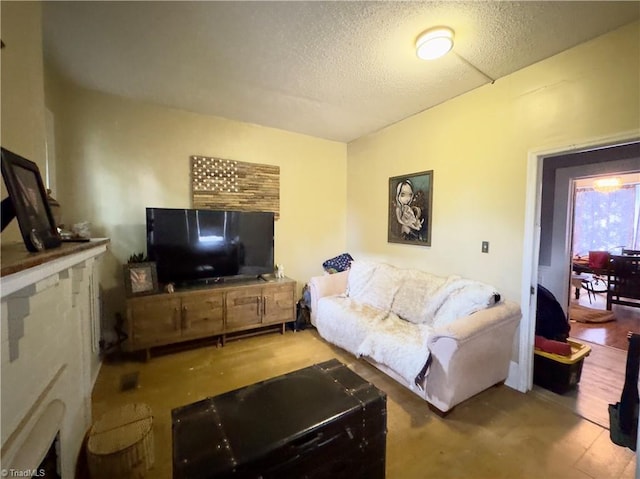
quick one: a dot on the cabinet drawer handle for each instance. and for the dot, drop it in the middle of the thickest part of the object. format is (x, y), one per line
(257, 306)
(264, 306)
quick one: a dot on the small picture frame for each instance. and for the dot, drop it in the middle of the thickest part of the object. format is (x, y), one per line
(410, 206)
(28, 202)
(140, 278)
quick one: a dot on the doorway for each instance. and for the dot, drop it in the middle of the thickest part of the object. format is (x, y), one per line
(603, 219)
(547, 257)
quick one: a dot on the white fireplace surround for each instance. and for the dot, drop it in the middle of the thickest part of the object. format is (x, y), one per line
(49, 360)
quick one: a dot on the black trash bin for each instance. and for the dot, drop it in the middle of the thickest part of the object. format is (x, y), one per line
(557, 373)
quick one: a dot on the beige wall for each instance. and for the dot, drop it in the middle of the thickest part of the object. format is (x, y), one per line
(52, 355)
(478, 146)
(22, 123)
(116, 157)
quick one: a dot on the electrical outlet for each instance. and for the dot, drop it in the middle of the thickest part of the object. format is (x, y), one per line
(485, 246)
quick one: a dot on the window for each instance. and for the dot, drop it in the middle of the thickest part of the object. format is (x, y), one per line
(606, 221)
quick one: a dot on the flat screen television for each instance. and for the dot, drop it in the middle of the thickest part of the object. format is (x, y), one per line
(192, 245)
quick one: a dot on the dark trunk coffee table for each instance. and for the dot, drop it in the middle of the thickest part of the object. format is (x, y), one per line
(323, 421)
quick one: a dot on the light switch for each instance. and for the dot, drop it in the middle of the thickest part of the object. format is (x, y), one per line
(485, 246)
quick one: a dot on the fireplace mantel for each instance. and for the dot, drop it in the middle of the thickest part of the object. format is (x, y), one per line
(50, 356)
(21, 268)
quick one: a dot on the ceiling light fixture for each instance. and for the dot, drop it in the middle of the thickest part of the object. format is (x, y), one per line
(607, 185)
(434, 43)
(437, 42)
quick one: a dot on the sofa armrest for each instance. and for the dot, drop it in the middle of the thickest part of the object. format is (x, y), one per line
(471, 354)
(326, 285)
(480, 322)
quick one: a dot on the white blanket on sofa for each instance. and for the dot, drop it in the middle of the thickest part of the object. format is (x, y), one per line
(383, 337)
(399, 345)
(390, 314)
(345, 322)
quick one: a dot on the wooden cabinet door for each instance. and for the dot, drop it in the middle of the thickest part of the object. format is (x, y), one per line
(244, 308)
(202, 314)
(153, 321)
(278, 303)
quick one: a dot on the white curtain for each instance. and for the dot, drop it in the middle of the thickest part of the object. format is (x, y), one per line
(606, 221)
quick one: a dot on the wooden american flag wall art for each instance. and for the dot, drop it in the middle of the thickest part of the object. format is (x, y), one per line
(221, 184)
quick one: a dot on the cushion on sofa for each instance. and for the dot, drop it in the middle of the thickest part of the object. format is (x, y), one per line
(360, 274)
(466, 297)
(412, 298)
(417, 296)
(375, 286)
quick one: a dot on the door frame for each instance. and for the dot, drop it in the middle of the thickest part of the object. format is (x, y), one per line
(522, 377)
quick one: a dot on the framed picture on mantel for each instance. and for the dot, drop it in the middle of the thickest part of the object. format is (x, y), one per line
(27, 202)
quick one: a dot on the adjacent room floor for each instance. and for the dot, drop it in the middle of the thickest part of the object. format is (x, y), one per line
(603, 372)
(612, 334)
(500, 433)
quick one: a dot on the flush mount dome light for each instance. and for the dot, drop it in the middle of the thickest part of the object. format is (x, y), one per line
(434, 43)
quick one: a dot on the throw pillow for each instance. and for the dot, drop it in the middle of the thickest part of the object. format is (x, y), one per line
(470, 298)
(382, 287)
(414, 294)
(337, 264)
(359, 276)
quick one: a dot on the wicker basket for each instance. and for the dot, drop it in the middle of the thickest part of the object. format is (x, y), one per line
(121, 443)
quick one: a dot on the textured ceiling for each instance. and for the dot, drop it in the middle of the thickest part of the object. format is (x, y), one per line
(334, 70)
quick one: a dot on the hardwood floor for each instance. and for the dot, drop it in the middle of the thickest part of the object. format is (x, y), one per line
(614, 333)
(500, 433)
(603, 371)
(601, 382)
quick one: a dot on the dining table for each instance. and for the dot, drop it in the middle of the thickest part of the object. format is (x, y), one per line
(595, 282)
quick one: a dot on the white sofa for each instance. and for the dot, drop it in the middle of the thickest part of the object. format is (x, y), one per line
(446, 339)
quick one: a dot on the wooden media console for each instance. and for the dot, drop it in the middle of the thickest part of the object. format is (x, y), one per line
(238, 308)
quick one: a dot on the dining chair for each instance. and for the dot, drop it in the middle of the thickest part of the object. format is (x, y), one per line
(624, 281)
